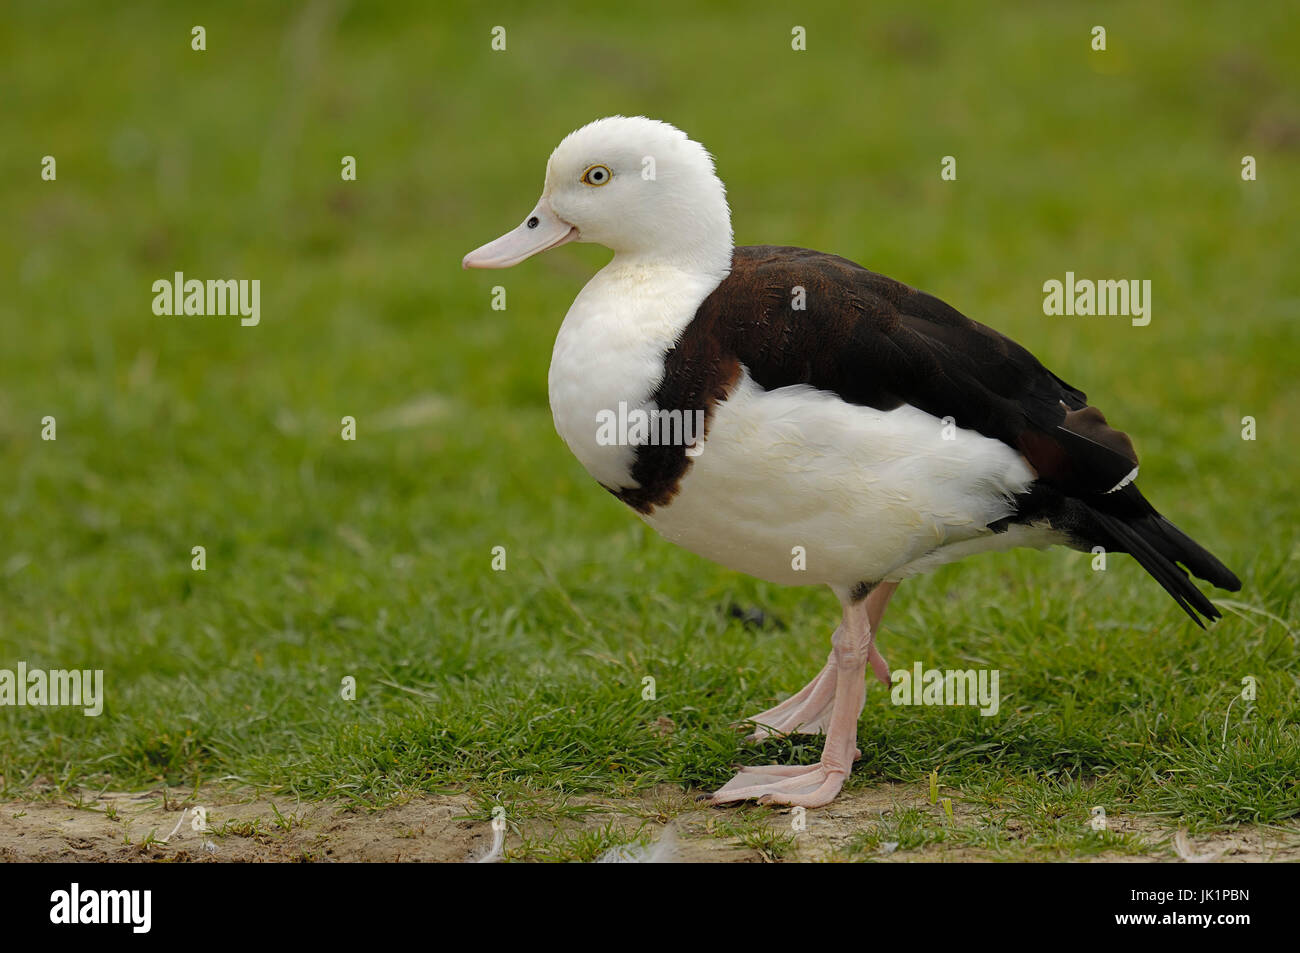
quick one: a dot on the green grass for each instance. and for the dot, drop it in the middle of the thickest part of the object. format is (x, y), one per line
(372, 558)
(1029, 836)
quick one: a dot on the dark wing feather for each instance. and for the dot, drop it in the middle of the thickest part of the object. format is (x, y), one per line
(877, 342)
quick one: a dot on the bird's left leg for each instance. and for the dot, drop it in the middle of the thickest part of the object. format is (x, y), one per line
(808, 711)
(816, 785)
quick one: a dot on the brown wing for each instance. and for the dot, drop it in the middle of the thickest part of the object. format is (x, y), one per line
(876, 342)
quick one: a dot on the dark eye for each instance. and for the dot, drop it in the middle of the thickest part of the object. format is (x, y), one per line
(596, 175)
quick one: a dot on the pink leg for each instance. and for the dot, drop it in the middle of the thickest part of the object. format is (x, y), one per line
(876, 602)
(816, 785)
(808, 712)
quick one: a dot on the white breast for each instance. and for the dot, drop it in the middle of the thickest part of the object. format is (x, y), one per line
(610, 349)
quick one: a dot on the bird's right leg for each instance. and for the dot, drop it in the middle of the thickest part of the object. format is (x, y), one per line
(808, 711)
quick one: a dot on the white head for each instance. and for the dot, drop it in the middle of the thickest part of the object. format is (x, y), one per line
(635, 185)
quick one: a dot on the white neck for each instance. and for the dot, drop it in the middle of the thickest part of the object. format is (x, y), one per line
(708, 256)
(611, 346)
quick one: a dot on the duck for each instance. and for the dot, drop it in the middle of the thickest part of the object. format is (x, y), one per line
(792, 415)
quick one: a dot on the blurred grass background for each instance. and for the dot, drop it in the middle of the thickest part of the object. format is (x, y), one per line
(371, 558)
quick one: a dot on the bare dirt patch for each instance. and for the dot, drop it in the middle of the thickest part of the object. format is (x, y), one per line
(153, 827)
(666, 824)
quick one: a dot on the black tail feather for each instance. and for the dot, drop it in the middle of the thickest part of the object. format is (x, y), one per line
(1177, 546)
(1159, 546)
